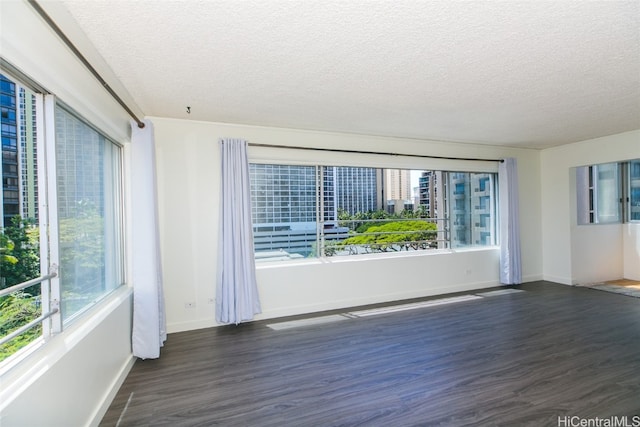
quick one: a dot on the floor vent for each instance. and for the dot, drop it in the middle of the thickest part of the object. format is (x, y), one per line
(311, 321)
(500, 292)
(307, 322)
(412, 306)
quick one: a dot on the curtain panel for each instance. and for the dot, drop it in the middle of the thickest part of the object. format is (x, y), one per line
(510, 257)
(149, 322)
(237, 298)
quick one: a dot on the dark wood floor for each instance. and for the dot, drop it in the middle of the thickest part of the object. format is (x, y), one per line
(519, 359)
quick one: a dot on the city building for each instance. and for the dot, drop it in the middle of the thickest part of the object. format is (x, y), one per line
(428, 191)
(28, 157)
(284, 204)
(10, 196)
(397, 184)
(283, 208)
(358, 189)
(19, 194)
(471, 208)
(80, 166)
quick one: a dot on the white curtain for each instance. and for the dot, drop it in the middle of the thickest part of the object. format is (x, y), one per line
(149, 322)
(510, 259)
(237, 297)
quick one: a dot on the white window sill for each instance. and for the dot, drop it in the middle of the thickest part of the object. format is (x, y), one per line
(371, 257)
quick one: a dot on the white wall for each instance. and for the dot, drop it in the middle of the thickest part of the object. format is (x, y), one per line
(570, 252)
(631, 243)
(188, 181)
(70, 380)
(596, 253)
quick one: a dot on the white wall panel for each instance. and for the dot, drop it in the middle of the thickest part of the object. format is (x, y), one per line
(72, 379)
(188, 174)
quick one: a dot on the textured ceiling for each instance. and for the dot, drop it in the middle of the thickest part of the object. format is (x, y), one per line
(519, 73)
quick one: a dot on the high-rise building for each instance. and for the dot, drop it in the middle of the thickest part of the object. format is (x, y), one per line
(80, 165)
(397, 184)
(471, 208)
(10, 196)
(330, 208)
(284, 204)
(19, 194)
(283, 209)
(9, 205)
(283, 194)
(358, 189)
(28, 156)
(429, 191)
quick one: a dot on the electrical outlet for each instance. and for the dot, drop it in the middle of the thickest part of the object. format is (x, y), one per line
(189, 305)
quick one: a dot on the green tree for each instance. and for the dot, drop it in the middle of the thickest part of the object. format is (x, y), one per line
(6, 248)
(393, 236)
(17, 310)
(422, 212)
(22, 240)
(20, 261)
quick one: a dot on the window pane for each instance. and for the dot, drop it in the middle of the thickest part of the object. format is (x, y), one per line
(283, 204)
(607, 193)
(471, 208)
(634, 190)
(89, 213)
(367, 210)
(19, 232)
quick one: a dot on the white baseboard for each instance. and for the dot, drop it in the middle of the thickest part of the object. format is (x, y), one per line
(532, 278)
(192, 325)
(557, 279)
(336, 305)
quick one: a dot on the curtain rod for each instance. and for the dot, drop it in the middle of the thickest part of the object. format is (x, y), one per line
(380, 153)
(84, 61)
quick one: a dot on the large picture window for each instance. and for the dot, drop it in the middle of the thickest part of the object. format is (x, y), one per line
(89, 213)
(61, 241)
(320, 211)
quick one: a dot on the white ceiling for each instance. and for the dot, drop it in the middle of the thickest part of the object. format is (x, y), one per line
(517, 73)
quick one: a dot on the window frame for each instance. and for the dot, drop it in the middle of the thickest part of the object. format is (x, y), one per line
(588, 193)
(54, 207)
(631, 193)
(490, 184)
(44, 122)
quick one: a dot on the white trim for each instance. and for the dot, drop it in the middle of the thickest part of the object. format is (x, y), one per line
(51, 200)
(338, 304)
(557, 279)
(43, 209)
(532, 278)
(370, 257)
